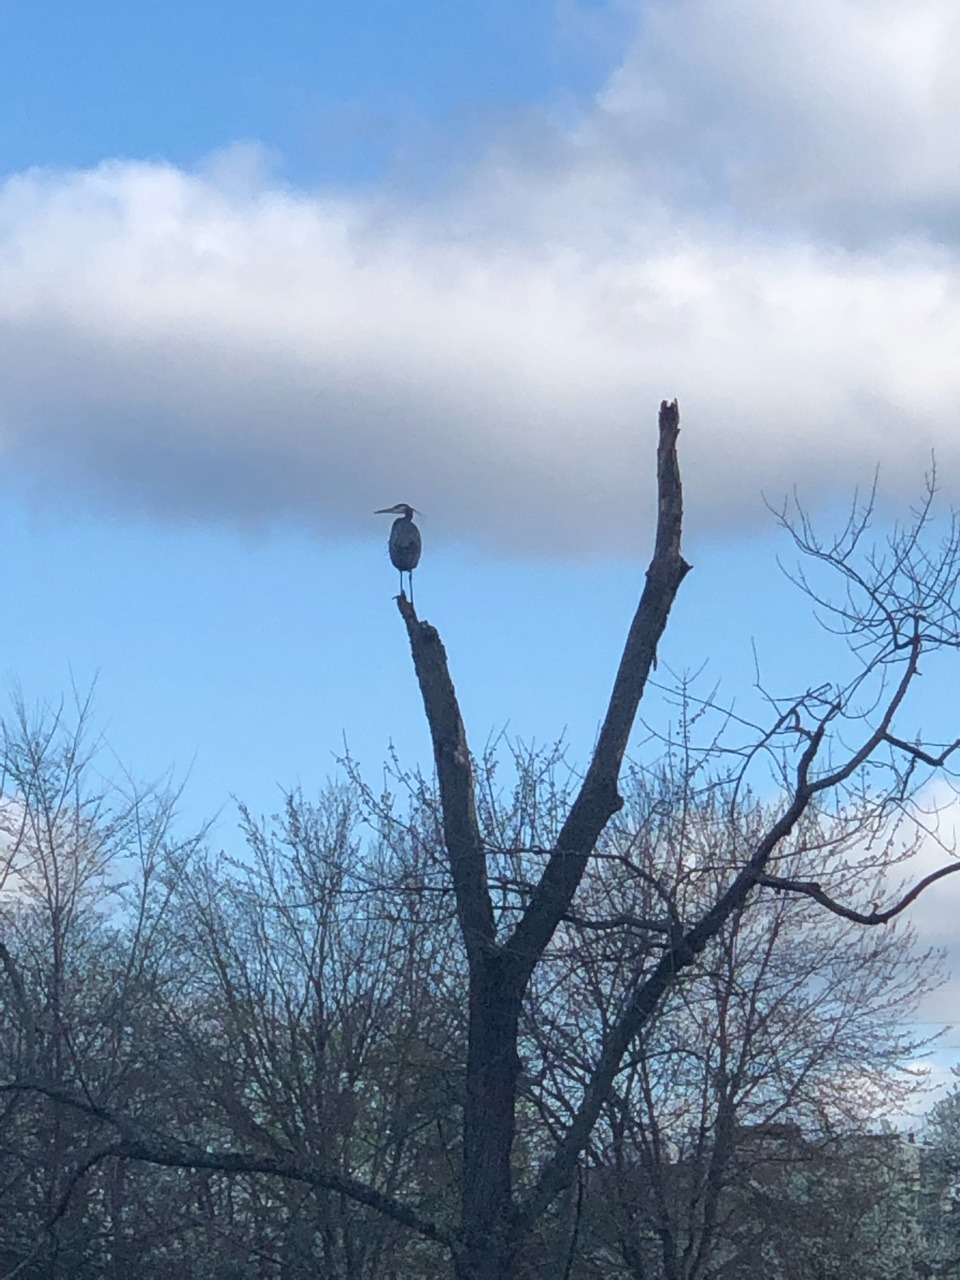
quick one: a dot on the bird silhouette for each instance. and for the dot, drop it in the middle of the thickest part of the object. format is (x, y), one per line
(404, 542)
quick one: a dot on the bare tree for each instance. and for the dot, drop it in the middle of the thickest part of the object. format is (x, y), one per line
(249, 1016)
(828, 747)
(83, 898)
(789, 1031)
(291, 1013)
(322, 1025)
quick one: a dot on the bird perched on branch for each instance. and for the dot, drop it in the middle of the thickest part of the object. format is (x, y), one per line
(404, 542)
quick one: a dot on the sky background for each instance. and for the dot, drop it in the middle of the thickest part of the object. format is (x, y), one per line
(264, 270)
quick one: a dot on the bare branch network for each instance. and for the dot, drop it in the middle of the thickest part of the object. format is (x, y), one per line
(447, 1031)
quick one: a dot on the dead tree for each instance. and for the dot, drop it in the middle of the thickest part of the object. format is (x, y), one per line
(900, 618)
(826, 748)
(494, 1226)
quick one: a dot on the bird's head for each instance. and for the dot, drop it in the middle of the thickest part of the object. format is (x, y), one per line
(401, 509)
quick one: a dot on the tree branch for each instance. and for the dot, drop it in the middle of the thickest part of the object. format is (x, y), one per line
(102, 1153)
(461, 831)
(812, 889)
(638, 924)
(679, 955)
(599, 799)
(151, 1149)
(917, 753)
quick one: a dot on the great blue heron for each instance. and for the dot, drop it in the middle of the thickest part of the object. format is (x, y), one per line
(404, 542)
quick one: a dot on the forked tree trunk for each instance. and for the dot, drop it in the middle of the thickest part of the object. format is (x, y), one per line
(493, 1224)
(493, 1069)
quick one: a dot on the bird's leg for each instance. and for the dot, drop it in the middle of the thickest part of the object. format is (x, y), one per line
(410, 576)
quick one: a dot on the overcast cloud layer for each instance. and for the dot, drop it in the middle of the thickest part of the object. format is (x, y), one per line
(760, 215)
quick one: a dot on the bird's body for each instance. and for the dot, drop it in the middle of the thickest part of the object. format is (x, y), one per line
(404, 542)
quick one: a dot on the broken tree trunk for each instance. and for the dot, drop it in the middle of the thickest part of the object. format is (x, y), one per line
(492, 1228)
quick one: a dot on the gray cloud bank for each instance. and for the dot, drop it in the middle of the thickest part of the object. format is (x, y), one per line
(758, 215)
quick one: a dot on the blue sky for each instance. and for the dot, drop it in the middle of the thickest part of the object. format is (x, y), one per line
(264, 271)
(333, 89)
(210, 645)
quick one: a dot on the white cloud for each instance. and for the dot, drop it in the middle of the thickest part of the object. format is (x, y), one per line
(841, 112)
(214, 345)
